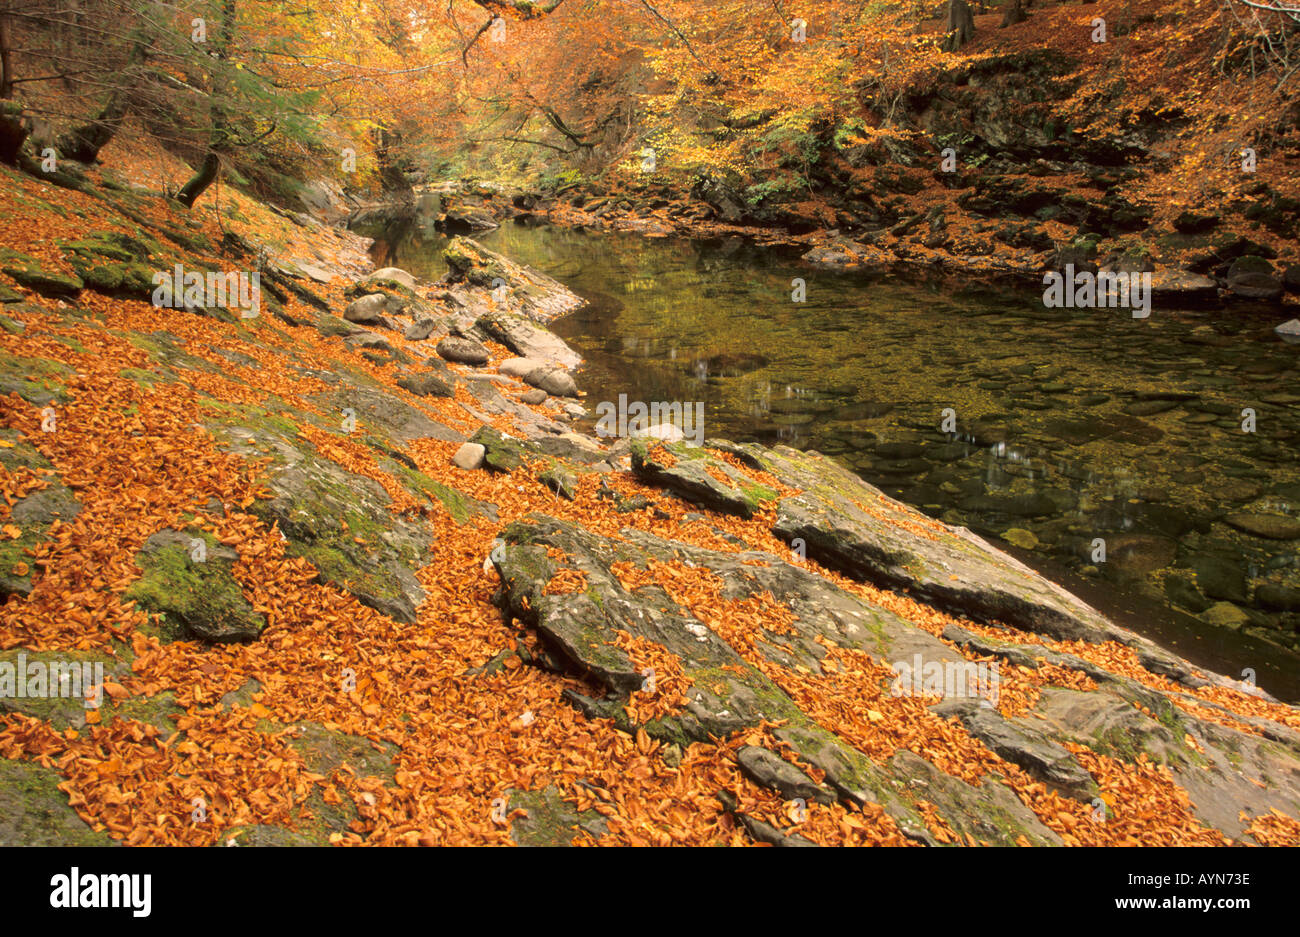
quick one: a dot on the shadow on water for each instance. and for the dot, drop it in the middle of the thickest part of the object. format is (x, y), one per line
(1074, 427)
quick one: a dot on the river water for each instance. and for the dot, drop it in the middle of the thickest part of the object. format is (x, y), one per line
(1108, 452)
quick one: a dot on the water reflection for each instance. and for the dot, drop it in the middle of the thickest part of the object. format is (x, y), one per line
(1070, 428)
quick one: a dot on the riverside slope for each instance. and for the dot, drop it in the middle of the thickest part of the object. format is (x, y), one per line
(641, 642)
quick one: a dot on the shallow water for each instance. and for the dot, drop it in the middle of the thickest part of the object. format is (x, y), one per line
(1073, 426)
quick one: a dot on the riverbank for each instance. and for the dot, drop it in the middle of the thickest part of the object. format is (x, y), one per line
(354, 581)
(1206, 266)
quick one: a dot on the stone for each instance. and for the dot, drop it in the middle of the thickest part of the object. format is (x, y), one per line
(527, 339)
(519, 367)
(533, 397)
(1291, 278)
(536, 297)
(560, 481)
(188, 580)
(1289, 331)
(1139, 553)
(368, 341)
(1018, 536)
(1270, 526)
(1220, 578)
(469, 456)
(555, 381)
(367, 310)
(396, 274)
(770, 770)
(426, 385)
(1257, 286)
(419, 330)
(1021, 744)
(1225, 615)
(665, 431)
(462, 351)
(1180, 288)
(342, 524)
(1277, 598)
(1181, 591)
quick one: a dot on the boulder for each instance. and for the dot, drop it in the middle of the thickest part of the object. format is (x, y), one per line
(534, 295)
(188, 581)
(1174, 289)
(1289, 331)
(426, 385)
(1258, 286)
(369, 309)
(463, 351)
(396, 274)
(527, 339)
(555, 381)
(420, 329)
(469, 456)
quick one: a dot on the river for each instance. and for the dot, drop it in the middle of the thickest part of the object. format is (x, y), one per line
(1104, 450)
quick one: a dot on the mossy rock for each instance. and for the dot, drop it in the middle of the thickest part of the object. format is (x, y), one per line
(33, 274)
(560, 481)
(33, 379)
(334, 327)
(460, 506)
(34, 812)
(32, 514)
(58, 687)
(342, 525)
(550, 820)
(325, 751)
(468, 260)
(503, 455)
(191, 586)
(9, 296)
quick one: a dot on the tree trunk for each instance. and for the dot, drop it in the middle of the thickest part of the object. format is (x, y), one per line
(959, 24)
(218, 137)
(83, 143)
(200, 181)
(391, 177)
(1015, 14)
(13, 131)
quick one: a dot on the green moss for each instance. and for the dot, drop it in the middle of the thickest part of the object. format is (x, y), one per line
(71, 342)
(193, 599)
(33, 379)
(34, 812)
(30, 272)
(458, 505)
(147, 378)
(333, 326)
(337, 567)
(251, 417)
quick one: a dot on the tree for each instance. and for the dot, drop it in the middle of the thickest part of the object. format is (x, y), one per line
(958, 25)
(1015, 13)
(13, 130)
